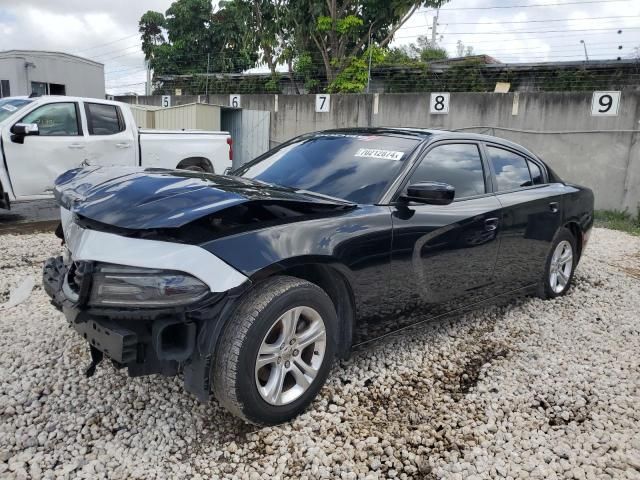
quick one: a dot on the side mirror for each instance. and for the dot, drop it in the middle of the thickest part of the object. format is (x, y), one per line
(21, 130)
(432, 193)
(25, 129)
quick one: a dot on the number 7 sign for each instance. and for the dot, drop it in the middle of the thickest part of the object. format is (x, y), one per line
(323, 103)
(605, 104)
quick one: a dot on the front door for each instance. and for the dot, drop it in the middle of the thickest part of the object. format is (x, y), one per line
(60, 146)
(443, 256)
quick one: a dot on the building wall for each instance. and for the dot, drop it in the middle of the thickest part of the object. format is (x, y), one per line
(82, 78)
(602, 153)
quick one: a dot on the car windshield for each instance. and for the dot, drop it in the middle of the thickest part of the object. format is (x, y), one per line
(9, 106)
(353, 167)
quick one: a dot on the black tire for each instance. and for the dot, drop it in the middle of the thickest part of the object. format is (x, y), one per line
(545, 289)
(194, 168)
(234, 382)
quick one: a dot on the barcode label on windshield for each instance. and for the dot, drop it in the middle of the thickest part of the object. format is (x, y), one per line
(373, 153)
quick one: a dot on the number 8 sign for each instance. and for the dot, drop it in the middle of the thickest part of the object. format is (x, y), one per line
(605, 104)
(439, 103)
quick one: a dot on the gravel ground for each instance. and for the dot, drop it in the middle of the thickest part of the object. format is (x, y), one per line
(536, 389)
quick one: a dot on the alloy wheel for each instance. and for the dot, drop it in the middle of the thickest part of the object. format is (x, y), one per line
(561, 266)
(290, 355)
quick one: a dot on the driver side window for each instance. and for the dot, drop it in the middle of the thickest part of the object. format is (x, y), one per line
(54, 119)
(458, 164)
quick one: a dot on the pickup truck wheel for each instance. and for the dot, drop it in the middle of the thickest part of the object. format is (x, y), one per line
(196, 164)
(560, 265)
(276, 352)
(194, 168)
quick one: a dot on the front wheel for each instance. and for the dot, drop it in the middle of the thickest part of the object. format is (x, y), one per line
(560, 265)
(276, 351)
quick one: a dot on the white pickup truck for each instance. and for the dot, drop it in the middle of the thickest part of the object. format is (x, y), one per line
(42, 137)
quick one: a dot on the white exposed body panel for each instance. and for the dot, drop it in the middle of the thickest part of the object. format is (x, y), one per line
(28, 169)
(91, 245)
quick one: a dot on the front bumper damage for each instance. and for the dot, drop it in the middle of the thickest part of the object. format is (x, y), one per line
(144, 341)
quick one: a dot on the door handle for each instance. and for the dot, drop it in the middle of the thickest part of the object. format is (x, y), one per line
(123, 145)
(491, 224)
(76, 146)
(553, 206)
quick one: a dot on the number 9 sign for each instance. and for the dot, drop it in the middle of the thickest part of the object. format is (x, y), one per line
(605, 104)
(439, 103)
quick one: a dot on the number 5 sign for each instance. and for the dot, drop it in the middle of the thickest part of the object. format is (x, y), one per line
(439, 103)
(605, 104)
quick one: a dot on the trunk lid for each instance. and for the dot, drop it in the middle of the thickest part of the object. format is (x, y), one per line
(151, 198)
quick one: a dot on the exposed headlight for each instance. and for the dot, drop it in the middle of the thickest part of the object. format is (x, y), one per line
(115, 285)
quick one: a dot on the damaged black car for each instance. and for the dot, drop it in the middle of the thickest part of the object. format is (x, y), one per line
(251, 285)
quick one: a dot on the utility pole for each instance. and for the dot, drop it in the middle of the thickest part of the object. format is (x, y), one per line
(584, 44)
(434, 30)
(147, 87)
(206, 88)
(370, 53)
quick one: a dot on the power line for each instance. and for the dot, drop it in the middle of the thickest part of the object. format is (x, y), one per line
(108, 43)
(501, 22)
(512, 32)
(583, 2)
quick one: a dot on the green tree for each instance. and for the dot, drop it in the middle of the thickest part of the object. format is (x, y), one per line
(340, 30)
(150, 28)
(197, 39)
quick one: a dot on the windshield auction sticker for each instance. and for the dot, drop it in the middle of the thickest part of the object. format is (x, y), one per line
(374, 153)
(9, 107)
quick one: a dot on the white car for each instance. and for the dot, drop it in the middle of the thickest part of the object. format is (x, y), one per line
(43, 137)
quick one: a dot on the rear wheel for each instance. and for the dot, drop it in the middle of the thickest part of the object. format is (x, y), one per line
(276, 351)
(560, 265)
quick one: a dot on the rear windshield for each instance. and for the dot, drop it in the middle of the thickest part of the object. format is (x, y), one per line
(357, 168)
(10, 106)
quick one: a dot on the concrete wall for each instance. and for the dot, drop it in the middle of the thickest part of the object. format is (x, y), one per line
(602, 153)
(81, 77)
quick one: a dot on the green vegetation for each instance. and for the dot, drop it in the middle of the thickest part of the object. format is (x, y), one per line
(317, 39)
(617, 220)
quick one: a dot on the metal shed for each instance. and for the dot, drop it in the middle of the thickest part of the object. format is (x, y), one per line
(144, 115)
(192, 116)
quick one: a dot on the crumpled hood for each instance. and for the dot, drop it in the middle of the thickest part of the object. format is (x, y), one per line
(139, 198)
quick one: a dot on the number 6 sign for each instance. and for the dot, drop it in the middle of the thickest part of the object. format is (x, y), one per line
(605, 104)
(439, 103)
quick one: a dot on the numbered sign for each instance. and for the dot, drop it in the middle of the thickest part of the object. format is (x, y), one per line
(605, 104)
(234, 101)
(323, 103)
(439, 103)
(166, 101)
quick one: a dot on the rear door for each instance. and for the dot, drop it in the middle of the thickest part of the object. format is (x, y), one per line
(110, 141)
(443, 256)
(531, 215)
(59, 146)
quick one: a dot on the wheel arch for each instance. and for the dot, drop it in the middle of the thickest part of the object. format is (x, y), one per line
(576, 231)
(201, 162)
(333, 279)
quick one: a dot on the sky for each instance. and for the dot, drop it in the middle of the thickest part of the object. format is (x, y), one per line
(509, 30)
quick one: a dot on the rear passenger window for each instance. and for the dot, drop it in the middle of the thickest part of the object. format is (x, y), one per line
(458, 165)
(103, 119)
(511, 169)
(536, 173)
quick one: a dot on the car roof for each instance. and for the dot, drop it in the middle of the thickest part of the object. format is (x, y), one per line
(431, 135)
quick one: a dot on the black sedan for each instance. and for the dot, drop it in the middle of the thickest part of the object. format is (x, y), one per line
(250, 285)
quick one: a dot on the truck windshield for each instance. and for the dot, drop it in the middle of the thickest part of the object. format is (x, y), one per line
(9, 106)
(351, 166)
